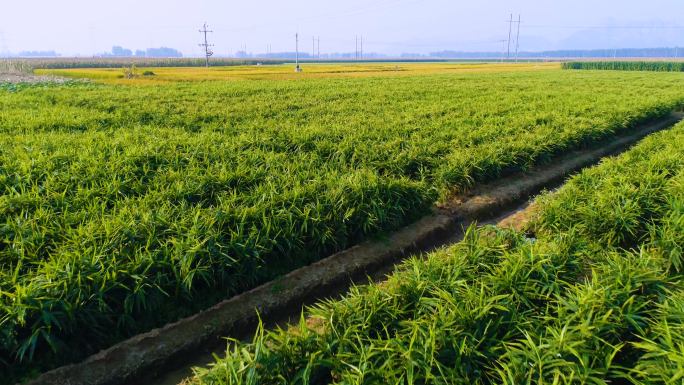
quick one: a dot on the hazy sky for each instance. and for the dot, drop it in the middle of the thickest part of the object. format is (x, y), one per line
(388, 26)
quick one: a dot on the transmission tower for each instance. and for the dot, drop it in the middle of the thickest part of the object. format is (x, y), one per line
(517, 40)
(206, 45)
(510, 30)
(4, 49)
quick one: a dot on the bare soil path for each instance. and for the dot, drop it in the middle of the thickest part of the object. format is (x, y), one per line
(20, 77)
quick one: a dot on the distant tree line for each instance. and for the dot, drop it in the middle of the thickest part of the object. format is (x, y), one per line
(39, 54)
(307, 55)
(276, 55)
(590, 53)
(118, 51)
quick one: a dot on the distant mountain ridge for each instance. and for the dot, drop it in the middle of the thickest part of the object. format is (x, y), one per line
(675, 52)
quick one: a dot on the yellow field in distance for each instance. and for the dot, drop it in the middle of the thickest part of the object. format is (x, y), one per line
(286, 71)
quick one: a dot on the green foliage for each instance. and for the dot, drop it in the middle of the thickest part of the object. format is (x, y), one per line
(148, 73)
(16, 87)
(659, 66)
(130, 72)
(572, 305)
(123, 206)
(635, 198)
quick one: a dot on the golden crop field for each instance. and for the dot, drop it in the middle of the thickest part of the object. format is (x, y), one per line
(163, 75)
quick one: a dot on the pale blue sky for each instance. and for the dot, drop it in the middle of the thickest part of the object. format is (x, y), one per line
(388, 26)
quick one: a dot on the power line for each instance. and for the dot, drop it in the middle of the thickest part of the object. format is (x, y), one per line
(517, 40)
(510, 28)
(632, 27)
(336, 14)
(432, 45)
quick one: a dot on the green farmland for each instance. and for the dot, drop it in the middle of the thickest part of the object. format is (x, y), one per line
(591, 293)
(126, 207)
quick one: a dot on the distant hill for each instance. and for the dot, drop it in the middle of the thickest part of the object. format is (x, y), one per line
(593, 53)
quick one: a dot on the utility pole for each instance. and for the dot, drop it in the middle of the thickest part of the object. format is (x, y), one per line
(206, 45)
(297, 69)
(319, 47)
(356, 50)
(517, 40)
(510, 28)
(503, 44)
(313, 47)
(361, 46)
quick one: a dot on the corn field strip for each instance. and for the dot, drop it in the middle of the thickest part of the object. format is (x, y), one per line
(657, 66)
(16, 66)
(48, 63)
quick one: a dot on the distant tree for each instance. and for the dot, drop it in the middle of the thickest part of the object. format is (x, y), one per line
(163, 52)
(120, 51)
(139, 52)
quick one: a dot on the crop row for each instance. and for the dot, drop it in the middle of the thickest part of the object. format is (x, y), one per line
(592, 294)
(659, 66)
(124, 208)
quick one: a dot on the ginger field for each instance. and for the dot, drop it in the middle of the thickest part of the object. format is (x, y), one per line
(164, 75)
(591, 293)
(126, 207)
